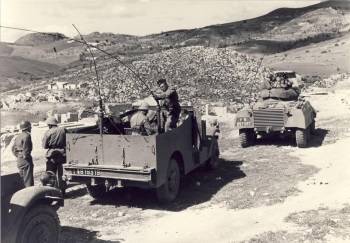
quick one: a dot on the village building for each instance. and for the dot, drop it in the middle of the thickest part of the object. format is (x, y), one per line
(62, 86)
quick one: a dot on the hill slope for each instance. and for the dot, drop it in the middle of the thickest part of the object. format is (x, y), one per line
(268, 33)
(320, 59)
(17, 71)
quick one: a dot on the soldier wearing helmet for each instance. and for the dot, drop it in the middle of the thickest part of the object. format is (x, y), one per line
(22, 148)
(54, 141)
(139, 122)
(170, 103)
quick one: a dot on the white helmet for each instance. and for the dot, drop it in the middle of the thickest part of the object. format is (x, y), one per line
(144, 106)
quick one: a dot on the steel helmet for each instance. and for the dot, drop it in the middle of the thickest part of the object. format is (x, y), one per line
(51, 121)
(24, 125)
(48, 178)
(144, 106)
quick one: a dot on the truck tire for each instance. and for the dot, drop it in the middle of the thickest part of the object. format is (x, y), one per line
(97, 192)
(301, 137)
(246, 137)
(167, 192)
(39, 225)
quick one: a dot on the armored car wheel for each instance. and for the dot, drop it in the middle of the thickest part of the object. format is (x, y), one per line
(39, 225)
(301, 137)
(97, 191)
(246, 137)
(168, 191)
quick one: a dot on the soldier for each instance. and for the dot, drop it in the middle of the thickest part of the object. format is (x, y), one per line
(152, 118)
(183, 117)
(171, 104)
(139, 122)
(22, 148)
(268, 82)
(54, 141)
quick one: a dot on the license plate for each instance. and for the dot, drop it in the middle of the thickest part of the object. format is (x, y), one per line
(244, 124)
(86, 172)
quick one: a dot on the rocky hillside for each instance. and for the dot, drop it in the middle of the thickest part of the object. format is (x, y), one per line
(199, 73)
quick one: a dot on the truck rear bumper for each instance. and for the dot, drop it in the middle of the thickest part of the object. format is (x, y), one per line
(127, 176)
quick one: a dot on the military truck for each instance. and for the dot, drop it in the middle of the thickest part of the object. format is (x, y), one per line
(158, 161)
(279, 111)
(28, 215)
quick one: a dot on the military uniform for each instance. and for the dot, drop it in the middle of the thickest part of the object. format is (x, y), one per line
(54, 141)
(140, 124)
(22, 148)
(171, 104)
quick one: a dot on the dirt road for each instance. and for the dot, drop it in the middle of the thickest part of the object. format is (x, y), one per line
(272, 192)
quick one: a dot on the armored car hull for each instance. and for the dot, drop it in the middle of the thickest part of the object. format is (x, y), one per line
(273, 116)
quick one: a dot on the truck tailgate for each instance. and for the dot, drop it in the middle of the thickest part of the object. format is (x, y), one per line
(111, 150)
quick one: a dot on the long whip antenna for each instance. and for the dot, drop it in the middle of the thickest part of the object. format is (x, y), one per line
(97, 78)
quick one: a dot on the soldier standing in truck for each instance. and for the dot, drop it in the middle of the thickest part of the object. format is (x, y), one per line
(22, 148)
(170, 102)
(54, 141)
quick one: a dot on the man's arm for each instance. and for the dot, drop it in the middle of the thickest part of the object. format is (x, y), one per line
(165, 94)
(45, 141)
(27, 147)
(148, 127)
(13, 149)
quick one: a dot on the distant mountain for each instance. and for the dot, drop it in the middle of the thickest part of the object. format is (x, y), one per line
(35, 39)
(279, 30)
(275, 32)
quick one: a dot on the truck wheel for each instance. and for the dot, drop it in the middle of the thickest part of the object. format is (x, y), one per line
(168, 191)
(246, 137)
(39, 225)
(214, 161)
(97, 192)
(301, 136)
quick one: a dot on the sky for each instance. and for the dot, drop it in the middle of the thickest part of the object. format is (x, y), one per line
(136, 17)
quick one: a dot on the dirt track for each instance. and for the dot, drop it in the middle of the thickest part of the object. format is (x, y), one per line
(273, 192)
